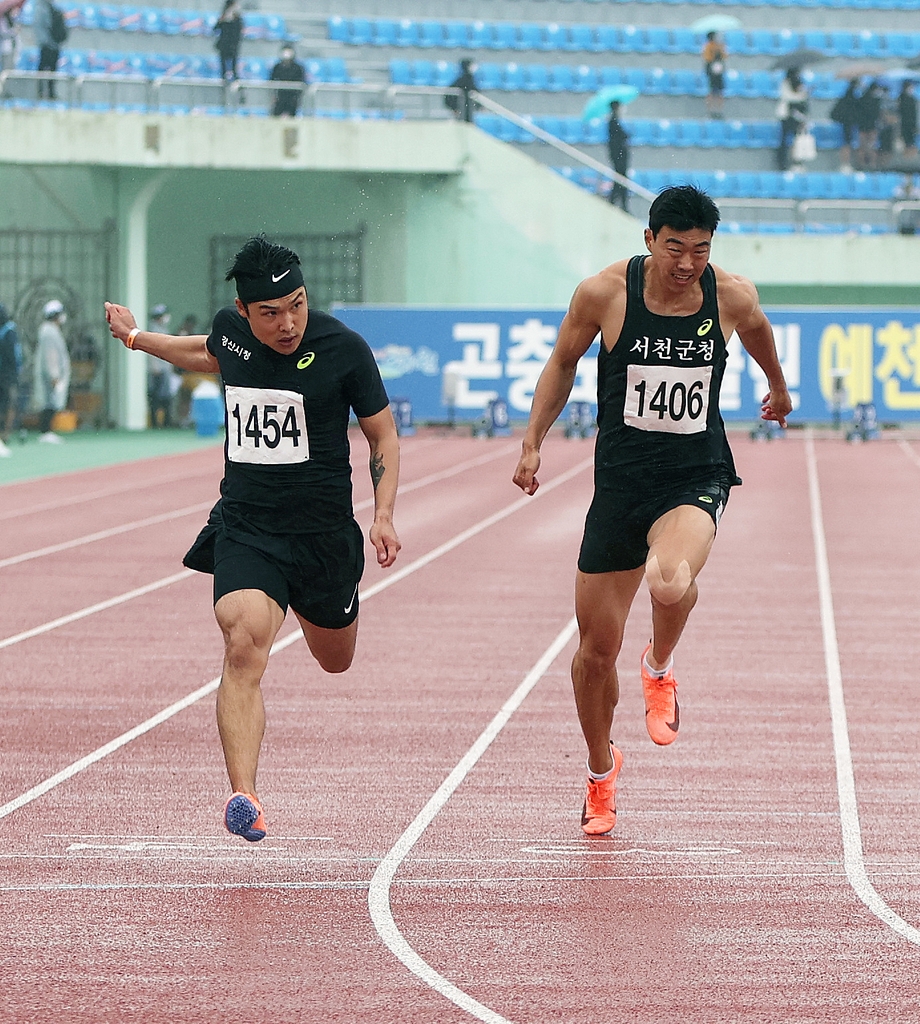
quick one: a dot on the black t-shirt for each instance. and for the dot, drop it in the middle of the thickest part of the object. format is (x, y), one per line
(286, 454)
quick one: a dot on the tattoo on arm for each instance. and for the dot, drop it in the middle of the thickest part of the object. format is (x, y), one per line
(377, 468)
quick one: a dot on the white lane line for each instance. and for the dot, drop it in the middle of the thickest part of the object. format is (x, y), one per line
(102, 606)
(909, 452)
(114, 531)
(412, 485)
(278, 645)
(846, 785)
(378, 897)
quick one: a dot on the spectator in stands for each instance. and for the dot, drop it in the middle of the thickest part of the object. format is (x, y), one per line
(288, 69)
(9, 36)
(49, 43)
(52, 369)
(714, 56)
(908, 219)
(868, 118)
(162, 380)
(844, 112)
(462, 106)
(888, 128)
(10, 365)
(907, 117)
(792, 112)
(229, 32)
(618, 151)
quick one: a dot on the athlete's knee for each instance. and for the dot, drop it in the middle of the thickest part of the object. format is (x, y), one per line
(671, 589)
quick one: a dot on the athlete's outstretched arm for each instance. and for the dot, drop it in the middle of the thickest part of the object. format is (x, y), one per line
(578, 329)
(756, 335)
(380, 431)
(187, 352)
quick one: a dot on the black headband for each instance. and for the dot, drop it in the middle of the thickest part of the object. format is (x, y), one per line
(271, 285)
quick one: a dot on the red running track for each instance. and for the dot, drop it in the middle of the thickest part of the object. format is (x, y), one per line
(424, 860)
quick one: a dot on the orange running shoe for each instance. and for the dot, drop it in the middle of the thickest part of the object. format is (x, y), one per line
(243, 817)
(599, 813)
(662, 713)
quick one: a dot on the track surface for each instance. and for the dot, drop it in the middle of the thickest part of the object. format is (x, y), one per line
(725, 894)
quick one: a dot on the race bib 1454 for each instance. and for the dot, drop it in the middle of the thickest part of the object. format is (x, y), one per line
(673, 399)
(266, 426)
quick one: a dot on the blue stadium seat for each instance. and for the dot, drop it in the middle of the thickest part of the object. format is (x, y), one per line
(735, 134)
(400, 72)
(511, 77)
(337, 29)
(608, 39)
(528, 37)
(687, 82)
(610, 76)
(430, 34)
(688, 133)
(151, 21)
(581, 38)
(627, 39)
(653, 39)
(502, 35)
(445, 72)
(656, 82)
(360, 32)
(904, 45)
(747, 185)
(383, 32)
(768, 184)
(407, 32)
(488, 77)
(763, 134)
(639, 130)
(816, 40)
(553, 37)
(536, 78)
(275, 28)
(129, 19)
(844, 44)
(733, 82)
(663, 133)
(455, 34)
(477, 35)
(561, 78)
(761, 84)
(584, 79)
(335, 71)
(739, 43)
(714, 134)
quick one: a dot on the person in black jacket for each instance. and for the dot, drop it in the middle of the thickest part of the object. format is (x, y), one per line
(844, 113)
(288, 69)
(462, 106)
(618, 151)
(868, 119)
(10, 360)
(907, 117)
(229, 32)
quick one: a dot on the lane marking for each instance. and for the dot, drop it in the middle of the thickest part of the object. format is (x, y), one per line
(102, 606)
(909, 452)
(378, 897)
(846, 784)
(165, 517)
(279, 645)
(113, 531)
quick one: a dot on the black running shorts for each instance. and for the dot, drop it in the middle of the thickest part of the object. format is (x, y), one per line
(315, 574)
(620, 517)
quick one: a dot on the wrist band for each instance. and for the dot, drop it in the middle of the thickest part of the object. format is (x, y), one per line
(132, 334)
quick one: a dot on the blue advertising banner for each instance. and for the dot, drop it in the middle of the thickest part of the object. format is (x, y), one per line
(452, 362)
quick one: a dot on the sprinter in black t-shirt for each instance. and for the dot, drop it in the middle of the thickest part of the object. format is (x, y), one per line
(283, 533)
(663, 467)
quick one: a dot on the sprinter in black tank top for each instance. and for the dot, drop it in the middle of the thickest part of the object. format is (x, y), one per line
(283, 533)
(663, 468)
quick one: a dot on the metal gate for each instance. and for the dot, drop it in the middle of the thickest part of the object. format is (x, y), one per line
(332, 266)
(74, 267)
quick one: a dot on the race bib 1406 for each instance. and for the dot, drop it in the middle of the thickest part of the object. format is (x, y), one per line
(266, 426)
(673, 399)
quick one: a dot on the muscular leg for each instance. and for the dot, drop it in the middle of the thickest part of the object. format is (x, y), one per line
(679, 544)
(602, 603)
(334, 649)
(249, 620)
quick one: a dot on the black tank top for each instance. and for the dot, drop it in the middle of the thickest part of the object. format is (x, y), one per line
(658, 391)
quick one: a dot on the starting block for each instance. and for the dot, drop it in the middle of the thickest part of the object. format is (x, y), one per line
(767, 430)
(865, 423)
(402, 416)
(580, 421)
(494, 421)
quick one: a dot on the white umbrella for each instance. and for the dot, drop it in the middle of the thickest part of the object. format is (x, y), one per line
(715, 23)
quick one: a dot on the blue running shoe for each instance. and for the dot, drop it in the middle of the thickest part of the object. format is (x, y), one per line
(243, 817)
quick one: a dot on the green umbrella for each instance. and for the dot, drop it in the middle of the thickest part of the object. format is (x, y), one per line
(598, 105)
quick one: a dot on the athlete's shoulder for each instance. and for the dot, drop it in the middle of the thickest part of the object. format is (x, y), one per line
(736, 292)
(322, 325)
(596, 293)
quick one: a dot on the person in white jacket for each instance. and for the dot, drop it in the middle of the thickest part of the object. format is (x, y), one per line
(52, 369)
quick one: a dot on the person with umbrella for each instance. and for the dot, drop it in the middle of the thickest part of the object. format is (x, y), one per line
(714, 55)
(618, 151)
(9, 33)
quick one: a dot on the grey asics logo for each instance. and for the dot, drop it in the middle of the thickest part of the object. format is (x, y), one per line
(352, 601)
(275, 280)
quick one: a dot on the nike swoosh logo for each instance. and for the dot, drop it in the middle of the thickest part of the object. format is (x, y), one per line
(275, 280)
(352, 601)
